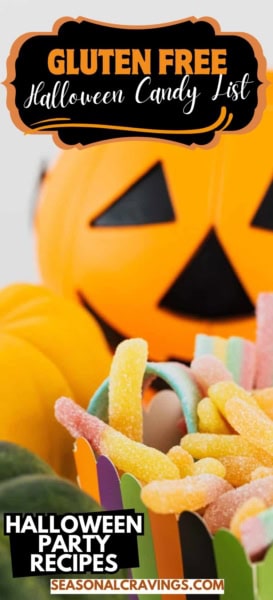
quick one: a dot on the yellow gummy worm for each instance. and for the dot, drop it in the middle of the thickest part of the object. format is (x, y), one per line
(209, 465)
(191, 493)
(209, 418)
(202, 445)
(251, 422)
(219, 393)
(125, 388)
(182, 459)
(143, 462)
(239, 469)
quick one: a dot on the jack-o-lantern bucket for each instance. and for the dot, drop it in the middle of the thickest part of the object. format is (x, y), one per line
(163, 241)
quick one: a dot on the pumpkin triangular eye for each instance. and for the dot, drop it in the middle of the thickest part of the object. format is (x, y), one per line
(208, 287)
(147, 201)
(264, 215)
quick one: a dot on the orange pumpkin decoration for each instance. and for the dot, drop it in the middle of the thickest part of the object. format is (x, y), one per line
(162, 241)
(49, 347)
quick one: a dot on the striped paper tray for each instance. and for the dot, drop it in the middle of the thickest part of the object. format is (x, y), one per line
(174, 548)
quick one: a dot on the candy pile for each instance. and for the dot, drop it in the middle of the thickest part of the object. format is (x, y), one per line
(222, 406)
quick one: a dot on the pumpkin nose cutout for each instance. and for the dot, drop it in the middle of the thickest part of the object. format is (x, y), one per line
(208, 287)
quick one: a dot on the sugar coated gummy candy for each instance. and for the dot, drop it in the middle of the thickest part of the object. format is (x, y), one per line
(256, 533)
(182, 459)
(250, 508)
(207, 370)
(219, 513)
(241, 361)
(237, 355)
(191, 493)
(221, 392)
(212, 345)
(125, 387)
(260, 472)
(239, 469)
(202, 445)
(264, 398)
(264, 342)
(251, 422)
(209, 418)
(127, 455)
(209, 465)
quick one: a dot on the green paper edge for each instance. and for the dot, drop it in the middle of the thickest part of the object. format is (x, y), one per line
(264, 576)
(232, 566)
(130, 492)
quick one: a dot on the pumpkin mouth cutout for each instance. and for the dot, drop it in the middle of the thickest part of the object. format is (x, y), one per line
(114, 337)
(208, 287)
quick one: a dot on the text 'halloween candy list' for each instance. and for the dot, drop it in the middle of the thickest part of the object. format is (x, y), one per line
(184, 82)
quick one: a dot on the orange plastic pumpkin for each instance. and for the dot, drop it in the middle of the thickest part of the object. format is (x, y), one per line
(162, 241)
(49, 347)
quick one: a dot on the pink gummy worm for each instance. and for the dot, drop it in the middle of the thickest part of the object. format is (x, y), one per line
(254, 538)
(79, 423)
(207, 370)
(264, 343)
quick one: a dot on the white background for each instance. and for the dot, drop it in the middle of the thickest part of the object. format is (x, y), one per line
(22, 156)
